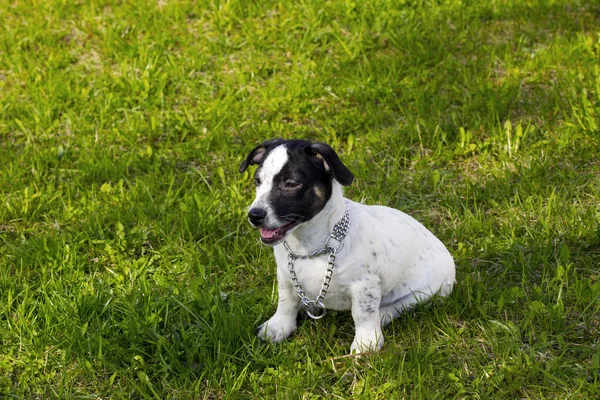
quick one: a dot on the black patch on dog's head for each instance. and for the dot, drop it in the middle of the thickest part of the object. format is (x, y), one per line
(304, 185)
(332, 163)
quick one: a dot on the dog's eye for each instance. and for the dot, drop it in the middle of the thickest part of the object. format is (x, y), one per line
(291, 185)
(257, 181)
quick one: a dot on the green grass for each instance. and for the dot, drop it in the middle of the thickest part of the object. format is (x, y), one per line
(127, 267)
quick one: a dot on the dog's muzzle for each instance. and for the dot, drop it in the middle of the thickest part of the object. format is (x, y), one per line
(269, 235)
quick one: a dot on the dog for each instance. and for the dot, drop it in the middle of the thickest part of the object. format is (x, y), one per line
(375, 261)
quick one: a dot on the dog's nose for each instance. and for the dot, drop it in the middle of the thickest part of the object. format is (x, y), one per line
(256, 215)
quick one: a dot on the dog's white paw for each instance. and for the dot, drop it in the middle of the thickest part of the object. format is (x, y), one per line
(367, 341)
(276, 329)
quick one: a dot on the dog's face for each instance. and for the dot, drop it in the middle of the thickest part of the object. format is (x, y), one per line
(293, 183)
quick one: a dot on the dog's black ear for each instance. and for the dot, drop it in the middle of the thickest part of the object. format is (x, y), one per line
(332, 163)
(257, 155)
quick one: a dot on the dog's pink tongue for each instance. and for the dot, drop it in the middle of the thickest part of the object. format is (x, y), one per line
(269, 233)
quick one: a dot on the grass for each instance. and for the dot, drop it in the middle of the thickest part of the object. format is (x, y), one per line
(127, 267)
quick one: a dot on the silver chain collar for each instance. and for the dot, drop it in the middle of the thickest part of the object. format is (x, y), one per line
(315, 308)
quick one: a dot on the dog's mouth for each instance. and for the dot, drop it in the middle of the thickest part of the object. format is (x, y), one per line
(277, 235)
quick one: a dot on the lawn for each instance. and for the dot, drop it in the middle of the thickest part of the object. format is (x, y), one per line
(128, 269)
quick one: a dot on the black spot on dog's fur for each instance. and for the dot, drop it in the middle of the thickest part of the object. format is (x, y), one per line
(366, 307)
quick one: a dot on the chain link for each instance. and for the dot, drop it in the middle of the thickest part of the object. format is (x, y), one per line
(315, 308)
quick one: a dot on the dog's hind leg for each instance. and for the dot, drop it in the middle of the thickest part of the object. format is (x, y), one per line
(438, 281)
(390, 311)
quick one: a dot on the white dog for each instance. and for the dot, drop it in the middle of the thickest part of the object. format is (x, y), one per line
(334, 253)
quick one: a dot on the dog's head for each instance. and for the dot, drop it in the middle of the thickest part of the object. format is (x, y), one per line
(294, 181)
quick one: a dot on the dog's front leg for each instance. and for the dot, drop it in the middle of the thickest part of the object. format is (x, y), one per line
(283, 322)
(366, 298)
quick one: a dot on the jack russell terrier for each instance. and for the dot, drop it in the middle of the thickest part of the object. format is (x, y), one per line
(334, 253)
